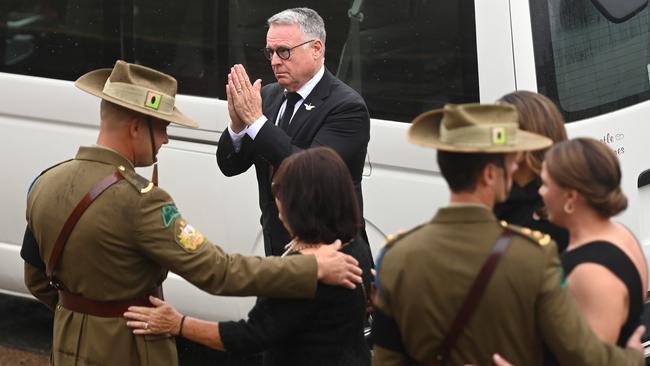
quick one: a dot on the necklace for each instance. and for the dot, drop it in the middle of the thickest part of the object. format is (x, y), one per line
(296, 246)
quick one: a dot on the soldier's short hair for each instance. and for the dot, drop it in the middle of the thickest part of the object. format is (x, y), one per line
(461, 170)
(310, 23)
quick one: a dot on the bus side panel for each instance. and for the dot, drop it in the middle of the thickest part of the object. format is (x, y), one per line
(33, 139)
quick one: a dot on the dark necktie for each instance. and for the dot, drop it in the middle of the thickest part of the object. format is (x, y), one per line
(292, 99)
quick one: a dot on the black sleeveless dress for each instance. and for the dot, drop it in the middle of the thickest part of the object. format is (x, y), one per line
(615, 260)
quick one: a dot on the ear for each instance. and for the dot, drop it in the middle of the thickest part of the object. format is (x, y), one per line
(318, 48)
(135, 126)
(572, 196)
(488, 176)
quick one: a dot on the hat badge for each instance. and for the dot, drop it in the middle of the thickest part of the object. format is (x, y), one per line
(499, 136)
(153, 100)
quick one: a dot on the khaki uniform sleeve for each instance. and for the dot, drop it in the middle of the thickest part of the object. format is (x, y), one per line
(39, 286)
(386, 333)
(167, 238)
(564, 329)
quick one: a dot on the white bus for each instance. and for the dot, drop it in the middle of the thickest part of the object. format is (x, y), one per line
(403, 56)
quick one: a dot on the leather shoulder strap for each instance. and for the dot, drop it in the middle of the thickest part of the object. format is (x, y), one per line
(473, 297)
(70, 223)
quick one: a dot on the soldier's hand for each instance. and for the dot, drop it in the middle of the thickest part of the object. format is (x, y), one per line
(336, 268)
(161, 319)
(634, 342)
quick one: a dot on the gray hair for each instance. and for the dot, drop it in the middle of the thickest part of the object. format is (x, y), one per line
(310, 23)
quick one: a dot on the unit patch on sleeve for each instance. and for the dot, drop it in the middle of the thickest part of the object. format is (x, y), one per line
(187, 236)
(169, 213)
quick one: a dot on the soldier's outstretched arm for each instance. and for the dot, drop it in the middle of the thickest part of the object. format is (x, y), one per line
(566, 331)
(168, 239)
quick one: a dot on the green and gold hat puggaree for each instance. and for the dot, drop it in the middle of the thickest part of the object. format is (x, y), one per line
(474, 128)
(137, 88)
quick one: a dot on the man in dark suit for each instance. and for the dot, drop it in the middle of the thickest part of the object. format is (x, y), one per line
(307, 107)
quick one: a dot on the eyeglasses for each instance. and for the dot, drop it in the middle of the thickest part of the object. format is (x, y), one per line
(282, 52)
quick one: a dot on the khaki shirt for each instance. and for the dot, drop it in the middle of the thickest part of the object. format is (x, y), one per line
(426, 274)
(122, 247)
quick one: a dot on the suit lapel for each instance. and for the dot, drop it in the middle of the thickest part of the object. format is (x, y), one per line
(310, 106)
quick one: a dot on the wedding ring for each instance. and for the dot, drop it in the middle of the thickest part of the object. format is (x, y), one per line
(146, 326)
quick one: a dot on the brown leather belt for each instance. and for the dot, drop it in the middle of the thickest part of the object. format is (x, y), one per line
(105, 309)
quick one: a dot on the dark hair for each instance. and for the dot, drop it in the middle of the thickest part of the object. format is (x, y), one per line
(539, 115)
(317, 196)
(461, 170)
(591, 168)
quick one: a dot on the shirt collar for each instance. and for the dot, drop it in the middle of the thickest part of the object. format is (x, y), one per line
(465, 213)
(306, 89)
(103, 154)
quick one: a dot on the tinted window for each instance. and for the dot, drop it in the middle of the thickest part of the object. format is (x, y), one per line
(586, 63)
(58, 39)
(404, 57)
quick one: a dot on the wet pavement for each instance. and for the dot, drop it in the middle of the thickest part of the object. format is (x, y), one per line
(26, 338)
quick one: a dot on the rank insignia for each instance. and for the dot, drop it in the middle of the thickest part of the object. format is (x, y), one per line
(188, 237)
(545, 240)
(169, 213)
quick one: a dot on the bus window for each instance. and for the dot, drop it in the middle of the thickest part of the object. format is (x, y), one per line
(179, 38)
(415, 55)
(403, 57)
(58, 39)
(586, 63)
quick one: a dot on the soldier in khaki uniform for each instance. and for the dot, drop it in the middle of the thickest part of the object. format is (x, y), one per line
(121, 247)
(425, 274)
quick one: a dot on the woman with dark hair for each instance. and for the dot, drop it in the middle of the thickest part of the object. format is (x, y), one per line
(605, 267)
(524, 206)
(317, 204)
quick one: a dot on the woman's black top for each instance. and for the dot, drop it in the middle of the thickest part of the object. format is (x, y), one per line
(616, 261)
(326, 330)
(519, 208)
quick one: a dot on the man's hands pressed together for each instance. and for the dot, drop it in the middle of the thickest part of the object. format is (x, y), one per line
(244, 98)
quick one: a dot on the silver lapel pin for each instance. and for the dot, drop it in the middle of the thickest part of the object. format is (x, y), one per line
(309, 107)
